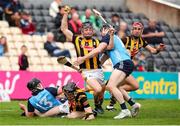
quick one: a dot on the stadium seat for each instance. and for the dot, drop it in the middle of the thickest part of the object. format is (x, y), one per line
(163, 68)
(27, 38)
(159, 62)
(60, 45)
(169, 61)
(15, 31)
(46, 60)
(4, 24)
(69, 45)
(5, 31)
(173, 54)
(36, 12)
(15, 67)
(4, 61)
(13, 60)
(32, 53)
(39, 45)
(36, 68)
(18, 38)
(5, 67)
(58, 67)
(45, 13)
(172, 68)
(37, 38)
(43, 53)
(47, 67)
(13, 52)
(164, 54)
(35, 61)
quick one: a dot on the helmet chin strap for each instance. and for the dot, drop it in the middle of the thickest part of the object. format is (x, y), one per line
(136, 37)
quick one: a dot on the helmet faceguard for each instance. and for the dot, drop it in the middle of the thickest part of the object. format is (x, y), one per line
(33, 84)
(137, 26)
(87, 34)
(69, 90)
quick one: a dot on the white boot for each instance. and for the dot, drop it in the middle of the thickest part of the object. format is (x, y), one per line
(135, 109)
(123, 114)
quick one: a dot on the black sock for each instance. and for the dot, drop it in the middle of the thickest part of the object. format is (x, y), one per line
(96, 102)
(112, 101)
(123, 106)
(131, 102)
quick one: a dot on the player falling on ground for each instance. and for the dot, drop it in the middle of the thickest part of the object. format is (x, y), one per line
(43, 100)
(91, 67)
(79, 106)
(133, 44)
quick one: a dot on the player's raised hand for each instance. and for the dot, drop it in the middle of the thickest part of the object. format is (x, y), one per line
(161, 46)
(67, 9)
(111, 31)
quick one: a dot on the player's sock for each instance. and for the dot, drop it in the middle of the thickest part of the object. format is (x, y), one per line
(123, 106)
(131, 102)
(112, 101)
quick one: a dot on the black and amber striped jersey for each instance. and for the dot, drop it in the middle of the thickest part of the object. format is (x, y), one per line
(134, 44)
(80, 101)
(84, 46)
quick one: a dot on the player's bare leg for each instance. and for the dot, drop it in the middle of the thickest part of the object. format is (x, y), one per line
(116, 78)
(97, 88)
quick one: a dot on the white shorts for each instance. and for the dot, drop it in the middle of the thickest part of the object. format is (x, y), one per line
(64, 108)
(94, 74)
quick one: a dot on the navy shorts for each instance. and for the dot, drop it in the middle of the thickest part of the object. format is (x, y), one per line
(126, 66)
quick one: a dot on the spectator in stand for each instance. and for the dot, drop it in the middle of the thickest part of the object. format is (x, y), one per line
(23, 59)
(122, 31)
(53, 49)
(153, 34)
(12, 12)
(115, 20)
(3, 45)
(73, 10)
(59, 36)
(53, 9)
(75, 24)
(91, 18)
(26, 24)
(59, 16)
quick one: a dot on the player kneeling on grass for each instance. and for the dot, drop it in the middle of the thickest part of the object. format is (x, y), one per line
(79, 106)
(43, 100)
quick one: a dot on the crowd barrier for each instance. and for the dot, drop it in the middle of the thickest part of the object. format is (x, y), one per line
(152, 85)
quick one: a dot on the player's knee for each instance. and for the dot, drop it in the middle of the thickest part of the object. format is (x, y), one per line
(136, 87)
(98, 90)
(109, 88)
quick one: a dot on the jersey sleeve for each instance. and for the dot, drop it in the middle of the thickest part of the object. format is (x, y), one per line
(52, 90)
(145, 43)
(105, 39)
(74, 38)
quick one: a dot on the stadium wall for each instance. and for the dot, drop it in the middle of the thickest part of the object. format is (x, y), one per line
(152, 85)
(157, 10)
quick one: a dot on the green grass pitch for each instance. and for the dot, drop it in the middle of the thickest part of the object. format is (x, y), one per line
(153, 112)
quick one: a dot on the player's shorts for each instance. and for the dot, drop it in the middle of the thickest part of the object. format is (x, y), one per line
(94, 74)
(64, 108)
(126, 66)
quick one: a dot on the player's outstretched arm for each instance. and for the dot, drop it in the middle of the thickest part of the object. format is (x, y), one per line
(94, 52)
(64, 27)
(155, 50)
(111, 41)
